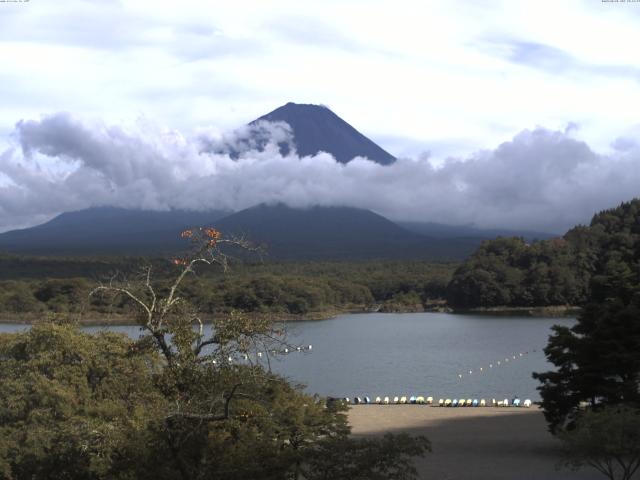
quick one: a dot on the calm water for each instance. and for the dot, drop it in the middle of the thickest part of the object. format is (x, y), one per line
(414, 354)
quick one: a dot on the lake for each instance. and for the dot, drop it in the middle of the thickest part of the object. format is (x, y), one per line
(414, 354)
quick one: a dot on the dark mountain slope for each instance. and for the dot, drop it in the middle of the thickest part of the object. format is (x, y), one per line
(440, 230)
(316, 128)
(107, 231)
(335, 233)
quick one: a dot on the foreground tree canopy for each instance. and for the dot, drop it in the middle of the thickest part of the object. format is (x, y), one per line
(607, 440)
(170, 404)
(598, 359)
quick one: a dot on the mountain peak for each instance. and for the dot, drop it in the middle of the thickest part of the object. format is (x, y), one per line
(317, 129)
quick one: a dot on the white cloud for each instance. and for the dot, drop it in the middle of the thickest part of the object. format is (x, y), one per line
(541, 179)
(412, 75)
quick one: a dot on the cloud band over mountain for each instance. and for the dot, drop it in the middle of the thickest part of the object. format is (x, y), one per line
(539, 180)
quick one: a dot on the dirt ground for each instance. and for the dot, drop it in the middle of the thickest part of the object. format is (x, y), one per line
(473, 443)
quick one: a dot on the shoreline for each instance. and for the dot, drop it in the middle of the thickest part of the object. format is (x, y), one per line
(94, 319)
(546, 311)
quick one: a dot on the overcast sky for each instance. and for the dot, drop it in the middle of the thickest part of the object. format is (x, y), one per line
(505, 114)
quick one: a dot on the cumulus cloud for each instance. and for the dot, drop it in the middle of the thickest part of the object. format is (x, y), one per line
(541, 179)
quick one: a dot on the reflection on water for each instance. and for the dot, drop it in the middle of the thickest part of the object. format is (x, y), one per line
(422, 354)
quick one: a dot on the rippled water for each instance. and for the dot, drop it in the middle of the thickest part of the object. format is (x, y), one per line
(414, 354)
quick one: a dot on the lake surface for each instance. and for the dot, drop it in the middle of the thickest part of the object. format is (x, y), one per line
(413, 354)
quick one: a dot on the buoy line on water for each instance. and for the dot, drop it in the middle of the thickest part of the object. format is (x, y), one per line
(496, 364)
(258, 355)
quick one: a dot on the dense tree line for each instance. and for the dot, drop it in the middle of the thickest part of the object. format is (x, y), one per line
(278, 288)
(592, 398)
(598, 359)
(512, 272)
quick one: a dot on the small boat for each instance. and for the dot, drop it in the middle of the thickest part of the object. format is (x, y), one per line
(475, 402)
(386, 400)
(403, 399)
(367, 400)
(378, 400)
(454, 403)
(505, 402)
(516, 402)
(396, 400)
(412, 399)
(420, 400)
(461, 402)
(527, 403)
(483, 403)
(357, 401)
(448, 402)
(429, 400)
(469, 402)
(440, 402)
(493, 402)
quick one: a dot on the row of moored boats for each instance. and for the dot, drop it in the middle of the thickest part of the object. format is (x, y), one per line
(442, 402)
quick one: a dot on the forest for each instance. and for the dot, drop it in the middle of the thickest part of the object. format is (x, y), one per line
(504, 272)
(512, 272)
(34, 286)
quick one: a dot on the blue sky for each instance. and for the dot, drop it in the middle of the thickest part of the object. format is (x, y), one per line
(454, 79)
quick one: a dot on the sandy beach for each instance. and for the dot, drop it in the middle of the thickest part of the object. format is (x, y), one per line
(473, 443)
